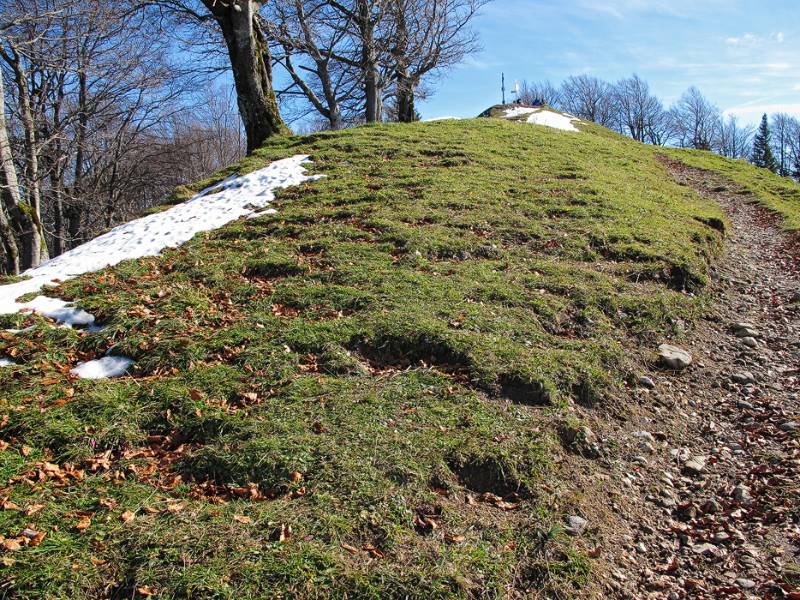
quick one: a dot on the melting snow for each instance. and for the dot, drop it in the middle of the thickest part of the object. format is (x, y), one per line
(102, 368)
(554, 119)
(518, 111)
(542, 116)
(235, 197)
(60, 310)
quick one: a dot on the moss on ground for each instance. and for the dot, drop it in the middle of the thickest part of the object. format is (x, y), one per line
(352, 397)
(779, 194)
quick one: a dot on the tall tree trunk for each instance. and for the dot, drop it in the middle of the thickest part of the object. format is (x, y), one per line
(11, 217)
(405, 85)
(38, 245)
(252, 69)
(369, 62)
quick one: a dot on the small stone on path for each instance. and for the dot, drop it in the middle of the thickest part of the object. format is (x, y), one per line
(647, 382)
(674, 357)
(695, 465)
(743, 377)
(750, 342)
(575, 525)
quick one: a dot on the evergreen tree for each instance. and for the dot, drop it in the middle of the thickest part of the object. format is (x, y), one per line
(762, 150)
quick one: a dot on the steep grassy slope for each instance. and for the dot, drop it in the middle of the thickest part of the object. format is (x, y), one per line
(779, 194)
(363, 393)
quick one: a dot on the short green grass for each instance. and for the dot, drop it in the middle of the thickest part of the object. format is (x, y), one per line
(360, 395)
(779, 194)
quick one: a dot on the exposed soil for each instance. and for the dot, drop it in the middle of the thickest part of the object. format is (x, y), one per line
(697, 491)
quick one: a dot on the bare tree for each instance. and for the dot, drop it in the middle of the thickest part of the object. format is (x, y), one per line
(696, 119)
(794, 147)
(242, 29)
(92, 106)
(316, 50)
(427, 36)
(540, 91)
(733, 140)
(589, 98)
(640, 114)
(781, 128)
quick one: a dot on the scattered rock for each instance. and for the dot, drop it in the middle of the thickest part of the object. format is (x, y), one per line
(575, 525)
(695, 465)
(747, 330)
(721, 537)
(674, 357)
(647, 382)
(789, 426)
(644, 435)
(750, 342)
(743, 377)
(742, 495)
(746, 584)
(705, 549)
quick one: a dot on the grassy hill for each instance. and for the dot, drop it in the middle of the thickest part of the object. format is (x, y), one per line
(366, 394)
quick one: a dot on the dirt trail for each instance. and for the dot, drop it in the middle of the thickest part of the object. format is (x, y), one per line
(703, 491)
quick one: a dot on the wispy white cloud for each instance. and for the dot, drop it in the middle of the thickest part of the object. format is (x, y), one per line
(778, 37)
(751, 111)
(748, 39)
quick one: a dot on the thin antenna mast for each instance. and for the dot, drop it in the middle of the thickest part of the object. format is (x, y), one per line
(503, 86)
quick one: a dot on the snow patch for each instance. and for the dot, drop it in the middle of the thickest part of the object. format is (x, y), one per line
(518, 111)
(542, 116)
(4, 362)
(60, 310)
(103, 368)
(235, 197)
(553, 119)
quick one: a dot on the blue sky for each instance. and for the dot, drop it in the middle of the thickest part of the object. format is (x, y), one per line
(744, 55)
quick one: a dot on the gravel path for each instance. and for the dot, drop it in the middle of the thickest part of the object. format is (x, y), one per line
(702, 491)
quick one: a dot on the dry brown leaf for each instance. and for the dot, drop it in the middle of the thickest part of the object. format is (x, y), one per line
(83, 524)
(175, 507)
(455, 539)
(242, 519)
(127, 516)
(11, 545)
(97, 562)
(145, 590)
(286, 533)
(9, 505)
(195, 394)
(25, 451)
(32, 509)
(108, 503)
(373, 551)
(296, 476)
(349, 548)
